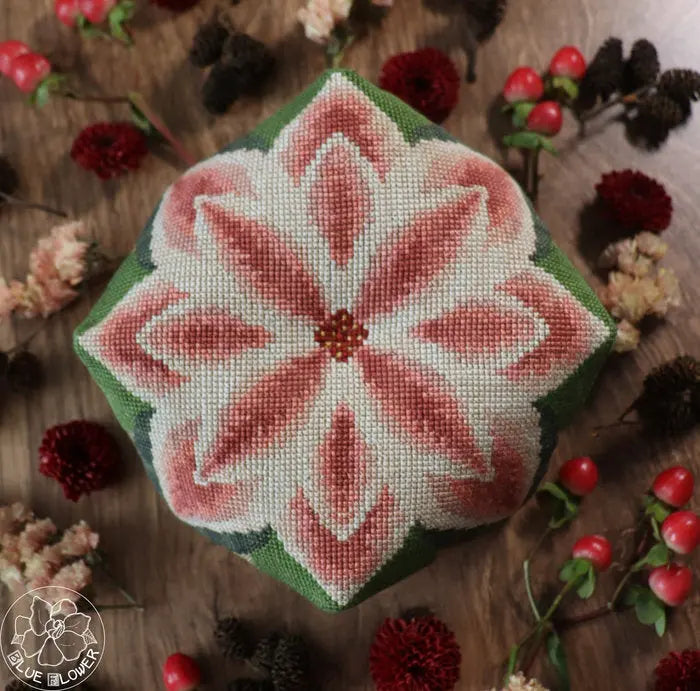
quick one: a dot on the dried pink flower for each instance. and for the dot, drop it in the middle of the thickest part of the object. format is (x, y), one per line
(627, 338)
(75, 576)
(78, 540)
(651, 245)
(518, 682)
(13, 516)
(34, 536)
(38, 571)
(320, 17)
(669, 292)
(61, 255)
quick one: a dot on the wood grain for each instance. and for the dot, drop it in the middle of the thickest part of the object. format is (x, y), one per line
(476, 587)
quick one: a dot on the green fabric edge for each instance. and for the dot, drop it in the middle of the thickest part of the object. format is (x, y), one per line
(420, 546)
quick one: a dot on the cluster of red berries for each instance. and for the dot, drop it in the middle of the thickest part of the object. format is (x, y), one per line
(88, 15)
(524, 90)
(28, 70)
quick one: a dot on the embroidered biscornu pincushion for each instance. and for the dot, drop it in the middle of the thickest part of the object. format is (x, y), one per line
(341, 336)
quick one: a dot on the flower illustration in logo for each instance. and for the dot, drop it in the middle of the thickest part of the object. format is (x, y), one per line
(54, 634)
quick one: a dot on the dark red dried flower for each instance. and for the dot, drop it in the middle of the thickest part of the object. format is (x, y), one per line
(635, 201)
(109, 149)
(426, 79)
(418, 654)
(175, 5)
(678, 672)
(82, 456)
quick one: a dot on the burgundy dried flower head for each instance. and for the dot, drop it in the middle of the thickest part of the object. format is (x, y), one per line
(678, 672)
(175, 5)
(417, 654)
(426, 79)
(635, 201)
(109, 149)
(82, 456)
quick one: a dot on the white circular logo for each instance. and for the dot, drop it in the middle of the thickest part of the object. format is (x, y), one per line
(56, 638)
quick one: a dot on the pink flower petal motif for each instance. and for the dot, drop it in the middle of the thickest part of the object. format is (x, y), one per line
(343, 564)
(343, 460)
(417, 401)
(267, 409)
(217, 176)
(209, 502)
(344, 109)
(256, 255)
(505, 204)
(569, 339)
(486, 500)
(118, 345)
(426, 247)
(208, 335)
(477, 328)
(340, 201)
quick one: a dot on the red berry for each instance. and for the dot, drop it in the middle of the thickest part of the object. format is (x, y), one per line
(96, 11)
(674, 486)
(67, 11)
(523, 84)
(545, 118)
(579, 476)
(568, 62)
(27, 71)
(596, 549)
(9, 50)
(681, 531)
(181, 673)
(671, 584)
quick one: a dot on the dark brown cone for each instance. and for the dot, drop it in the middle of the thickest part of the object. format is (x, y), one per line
(487, 15)
(290, 668)
(642, 68)
(234, 639)
(25, 372)
(264, 654)
(604, 75)
(9, 180)
(680, 85)
(251, 685)
(208, 42)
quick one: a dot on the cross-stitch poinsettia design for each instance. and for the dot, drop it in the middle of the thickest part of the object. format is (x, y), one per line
(344, 337)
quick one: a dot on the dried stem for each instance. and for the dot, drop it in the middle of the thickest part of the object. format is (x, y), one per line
(16, 201)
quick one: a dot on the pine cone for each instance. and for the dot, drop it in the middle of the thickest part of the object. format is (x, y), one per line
(250, 685)
(247, 54)
(604, 75)
(290, 667)
(642, 68)
(234, 639)
(670, 399)
(222, 87)
(657, 115)
(4, 364)
(25, 372)
(487, 15)
(208, 42)
(680, 84)
(9, 180)
(264, 654)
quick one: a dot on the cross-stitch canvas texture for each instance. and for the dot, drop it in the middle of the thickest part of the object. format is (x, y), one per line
(342, 336)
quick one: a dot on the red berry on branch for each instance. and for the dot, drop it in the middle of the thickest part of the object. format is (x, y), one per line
(96, 11)
(594, 548)
(181, 673)
(579, 476)
(29, 70)
(681, 531)
(523, 84)
(674, 486)
(545, 118)
(568, 62)
(9, 50)
(67, 11)
(671, 584)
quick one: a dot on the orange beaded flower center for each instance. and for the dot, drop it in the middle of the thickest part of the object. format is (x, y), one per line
(341, 335)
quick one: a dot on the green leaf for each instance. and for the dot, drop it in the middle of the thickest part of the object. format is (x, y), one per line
(657, 556)
(586, 589)
(141, 121)
(657, 510)
(520, 112)
(523, 140)
(547, 145)
(566, 506)
(567, 85)
(660, 625)
(557, 656)
(117, 17)
(648, 608)
(631, 594)
(575, 568)
(655, 528)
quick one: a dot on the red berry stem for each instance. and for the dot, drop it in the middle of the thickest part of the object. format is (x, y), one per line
(16, 201)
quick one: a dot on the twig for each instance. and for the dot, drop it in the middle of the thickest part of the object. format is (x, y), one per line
(16, 201)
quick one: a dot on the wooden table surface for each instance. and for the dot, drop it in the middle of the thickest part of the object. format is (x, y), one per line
(475, 587)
